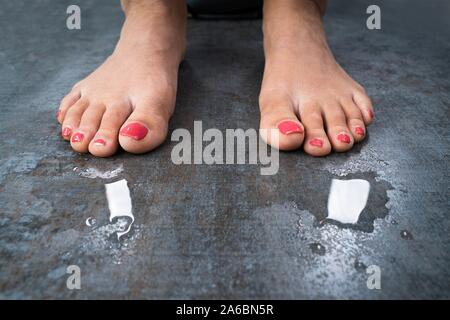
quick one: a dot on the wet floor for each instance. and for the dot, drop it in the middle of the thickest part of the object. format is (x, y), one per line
(225, 231)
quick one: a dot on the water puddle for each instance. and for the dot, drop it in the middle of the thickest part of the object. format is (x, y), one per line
(351, 205)
(317, 248)
(103, 241)
(94, 173)
(405, 234)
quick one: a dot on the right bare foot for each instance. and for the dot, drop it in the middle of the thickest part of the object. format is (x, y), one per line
(129, 99)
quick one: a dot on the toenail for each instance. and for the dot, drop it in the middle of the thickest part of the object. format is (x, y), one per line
(316, 142)
(58, 113)
(288, 127)
(360, 131)
(134, 130)
(343, 137)
(99, 142)
(371, 114)
(77, 137)
(66, 132)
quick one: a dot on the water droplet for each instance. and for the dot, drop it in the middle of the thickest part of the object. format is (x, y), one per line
(317, 248)
(360, 266)
(394, 222)
(75, 168)
(405, 234)
(90, 222)
(319, 223)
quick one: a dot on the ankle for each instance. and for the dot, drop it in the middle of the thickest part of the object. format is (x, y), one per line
(156, 25)
(291, 24)
(174, 9)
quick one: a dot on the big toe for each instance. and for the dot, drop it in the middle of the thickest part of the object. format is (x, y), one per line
(279, 125)
(144, 130)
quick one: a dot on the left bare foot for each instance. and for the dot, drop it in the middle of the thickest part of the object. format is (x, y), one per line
(305, 93)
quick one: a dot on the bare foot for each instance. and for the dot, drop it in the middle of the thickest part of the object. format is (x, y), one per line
(305, 94)
(129, 99)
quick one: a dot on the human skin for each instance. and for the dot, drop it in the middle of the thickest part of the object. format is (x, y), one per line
(306, 98)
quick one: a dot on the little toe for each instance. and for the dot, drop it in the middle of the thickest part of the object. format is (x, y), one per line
(72, 118)
(69, 100)
(355, 121)
(365, 105)
(87, 128)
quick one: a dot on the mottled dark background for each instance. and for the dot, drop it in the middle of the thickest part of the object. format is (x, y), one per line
(226, 231)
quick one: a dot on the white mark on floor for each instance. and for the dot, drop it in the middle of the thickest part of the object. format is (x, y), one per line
(98, 241)
(333, 270)
(119, 203)
(347, 199)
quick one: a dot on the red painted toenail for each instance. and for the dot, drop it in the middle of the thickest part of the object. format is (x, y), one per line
(77, 137)
(343, 137)
(288, 127)
(360, 131)
(316, 142)
(371, 114)
(99, 142)
(66, 132)
(134, 130)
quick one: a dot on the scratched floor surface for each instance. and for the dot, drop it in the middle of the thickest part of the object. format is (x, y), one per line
(226, 231)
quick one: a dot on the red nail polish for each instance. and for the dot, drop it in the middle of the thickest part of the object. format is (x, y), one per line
(316, 142)
(360, 131)
(134, 130)
(99, 142)
(77, 137)
(288, 127)
(343, 137)
(371, 114)
(66, 132)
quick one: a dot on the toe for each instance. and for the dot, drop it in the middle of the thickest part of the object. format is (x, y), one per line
(365, 105)
(279, 125)
(145, 129)
(340, 137)
(105, 142)
(72, 118)
(89, 123)
(69, 100)
(355, 121)
(316, 141)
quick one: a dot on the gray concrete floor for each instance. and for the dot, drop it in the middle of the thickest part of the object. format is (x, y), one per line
(226, 231)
